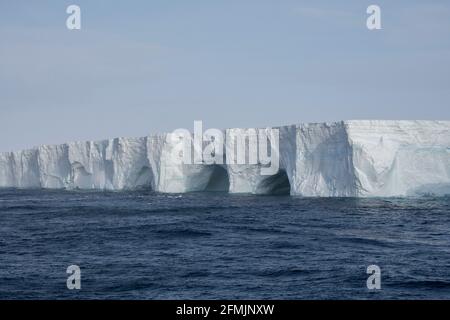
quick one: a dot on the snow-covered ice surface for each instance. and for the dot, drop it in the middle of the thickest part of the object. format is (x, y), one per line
(341, 159)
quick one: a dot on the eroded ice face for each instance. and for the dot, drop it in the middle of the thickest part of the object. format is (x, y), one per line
(350, 158)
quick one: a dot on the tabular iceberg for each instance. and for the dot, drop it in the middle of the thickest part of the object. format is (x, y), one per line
(358, 158)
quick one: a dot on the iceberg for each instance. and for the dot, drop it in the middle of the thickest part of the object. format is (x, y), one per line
(358, 158)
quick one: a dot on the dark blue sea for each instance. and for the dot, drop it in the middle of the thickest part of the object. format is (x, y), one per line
(144, 245)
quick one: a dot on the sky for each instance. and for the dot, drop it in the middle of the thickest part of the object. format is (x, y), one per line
(142, 67)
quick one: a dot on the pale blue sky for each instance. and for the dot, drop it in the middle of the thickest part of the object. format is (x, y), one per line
(140, 67)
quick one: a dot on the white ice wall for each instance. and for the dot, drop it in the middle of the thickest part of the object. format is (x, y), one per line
(323, 164)
(7, 172)
(348, 158)
(54, 166)
(170, 174)
(26, 168)
(398, 158)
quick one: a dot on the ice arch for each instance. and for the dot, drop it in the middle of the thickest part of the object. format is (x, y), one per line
(218, 180)
(277, 184)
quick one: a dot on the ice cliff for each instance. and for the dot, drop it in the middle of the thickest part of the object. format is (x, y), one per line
(340, 159)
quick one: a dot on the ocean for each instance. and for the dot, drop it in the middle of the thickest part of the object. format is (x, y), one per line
(145, 245)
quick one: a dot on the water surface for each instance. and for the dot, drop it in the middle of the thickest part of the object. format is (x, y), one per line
(144, 245)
